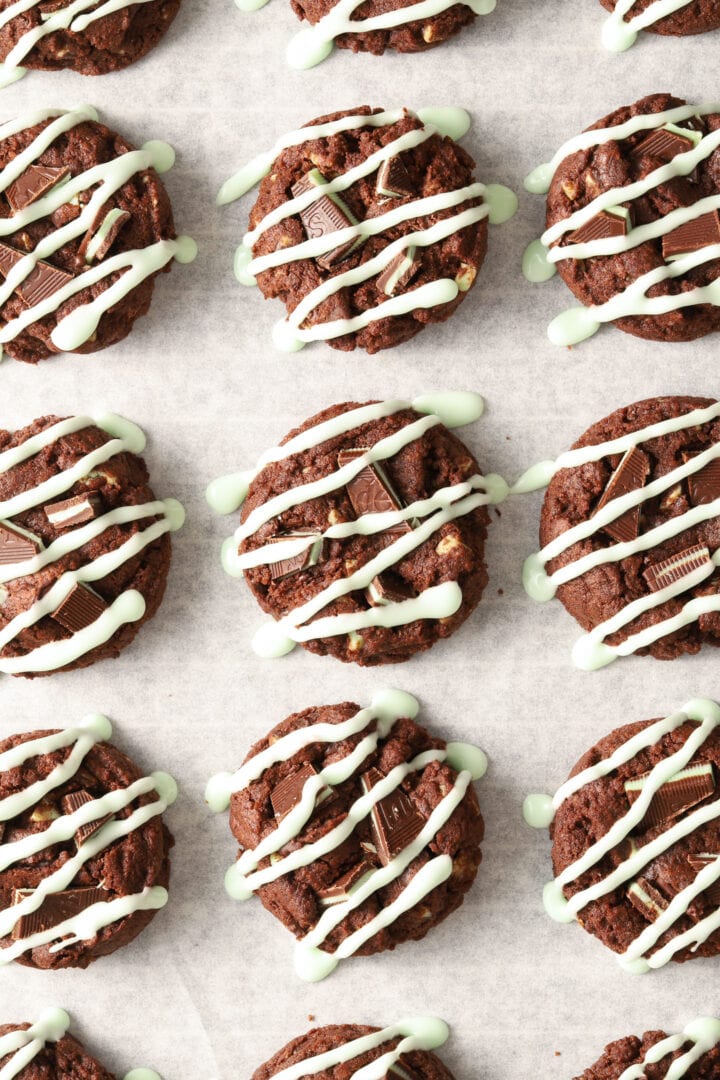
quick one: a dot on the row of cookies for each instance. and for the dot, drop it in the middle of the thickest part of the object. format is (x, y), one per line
(369, 224)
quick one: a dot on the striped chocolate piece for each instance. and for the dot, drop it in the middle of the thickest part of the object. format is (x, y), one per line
(56, 908)
(630, 475)
(340, 889)
(384, 589)
(34, 182)
(699, 862)
(600, 227)
(324, 216)
(663, 144)
(398, 272)
(677, 567)
(15, 546)
(306, 559)
(395, 820)
(117, 222)
(73, 802)
(393, 179)
(692, 236)
(648, 900)
(288, 793)
(704, 486)
(73, 511)
(79, 609)
(685, 789)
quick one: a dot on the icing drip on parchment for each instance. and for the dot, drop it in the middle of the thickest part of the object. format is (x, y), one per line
(88, 923)
(591, 651)
(539, 811)
(244, 877)
(75, 329)
(619, 34)
(578, 323)
(445, 505)
(415, 1033)
(130, 605)
(499, 204)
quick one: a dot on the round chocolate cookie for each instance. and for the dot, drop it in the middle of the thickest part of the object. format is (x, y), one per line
(630, 532)
(656, 1053)
(50, 1052)
(90, 41)
(371, 1044)
(340, 579)
(84, 850)
(356, 841)
(88, 220)
(647, 263)
(636, 839)
(84, 544)
(694, 17)
(394, 176)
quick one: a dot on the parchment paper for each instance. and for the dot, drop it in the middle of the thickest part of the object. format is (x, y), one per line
(208, 990)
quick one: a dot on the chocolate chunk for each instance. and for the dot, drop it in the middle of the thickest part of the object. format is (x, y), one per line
(699, 862)
(15, 546)
(704, 485)
(679, 793)
(41, 283)
(340, 889)
(606, 223)
(398, 272)
(102, 234)
(692, 236)
(396, 822)
(324, 216)
(79, 609)
(288, 793)
(73, 802)
(393, 179)
(677, 567)
(34, 182)
(663, 144)
(371, 492)
(55, 909)
(648, 900)
(385, 589)
(73, 511)
(306, 559)
(630, 475)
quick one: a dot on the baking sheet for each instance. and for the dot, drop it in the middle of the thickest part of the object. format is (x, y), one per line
(208, 990)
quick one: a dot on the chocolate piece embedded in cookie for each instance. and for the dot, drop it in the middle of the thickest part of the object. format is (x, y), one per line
(694, 1054)
(84, 543)
(357, 828)
(84, 852)
(98, 213)
(333, 244)
(632, 550)
(397, 504)
(660, 278)
(349, 1050)
(634, 829)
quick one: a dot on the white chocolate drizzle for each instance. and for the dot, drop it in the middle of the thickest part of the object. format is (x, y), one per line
(75, 329)
(703, 1033)
(619, 34)
(539, 811)
(498, 205)
(128, 606)
(445, 505)
(591, 650)
(540, 259)
(88, 923)
(244, 877)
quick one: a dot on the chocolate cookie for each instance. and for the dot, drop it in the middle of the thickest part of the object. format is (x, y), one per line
(363, 533)
(636, 839)
(693, 1054)
(368, 226)
(347, 1049)
(633, 223)
(630, 531)
(357, 828)
(85, 226)
(630, 16)
(90, 39)
(84, 544)
(84, 852)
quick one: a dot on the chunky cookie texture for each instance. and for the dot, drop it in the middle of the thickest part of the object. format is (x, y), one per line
(297, 898)
(419, 1064)
(436, 165)
(574, 496)
(108, 44)
(585, 175)
(66, 1059)
(455, 552)
(121, 481)
(620, 916)
(630, 1051)
(145, 218)
(126, 867)
(694, 18)
(414, 36)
